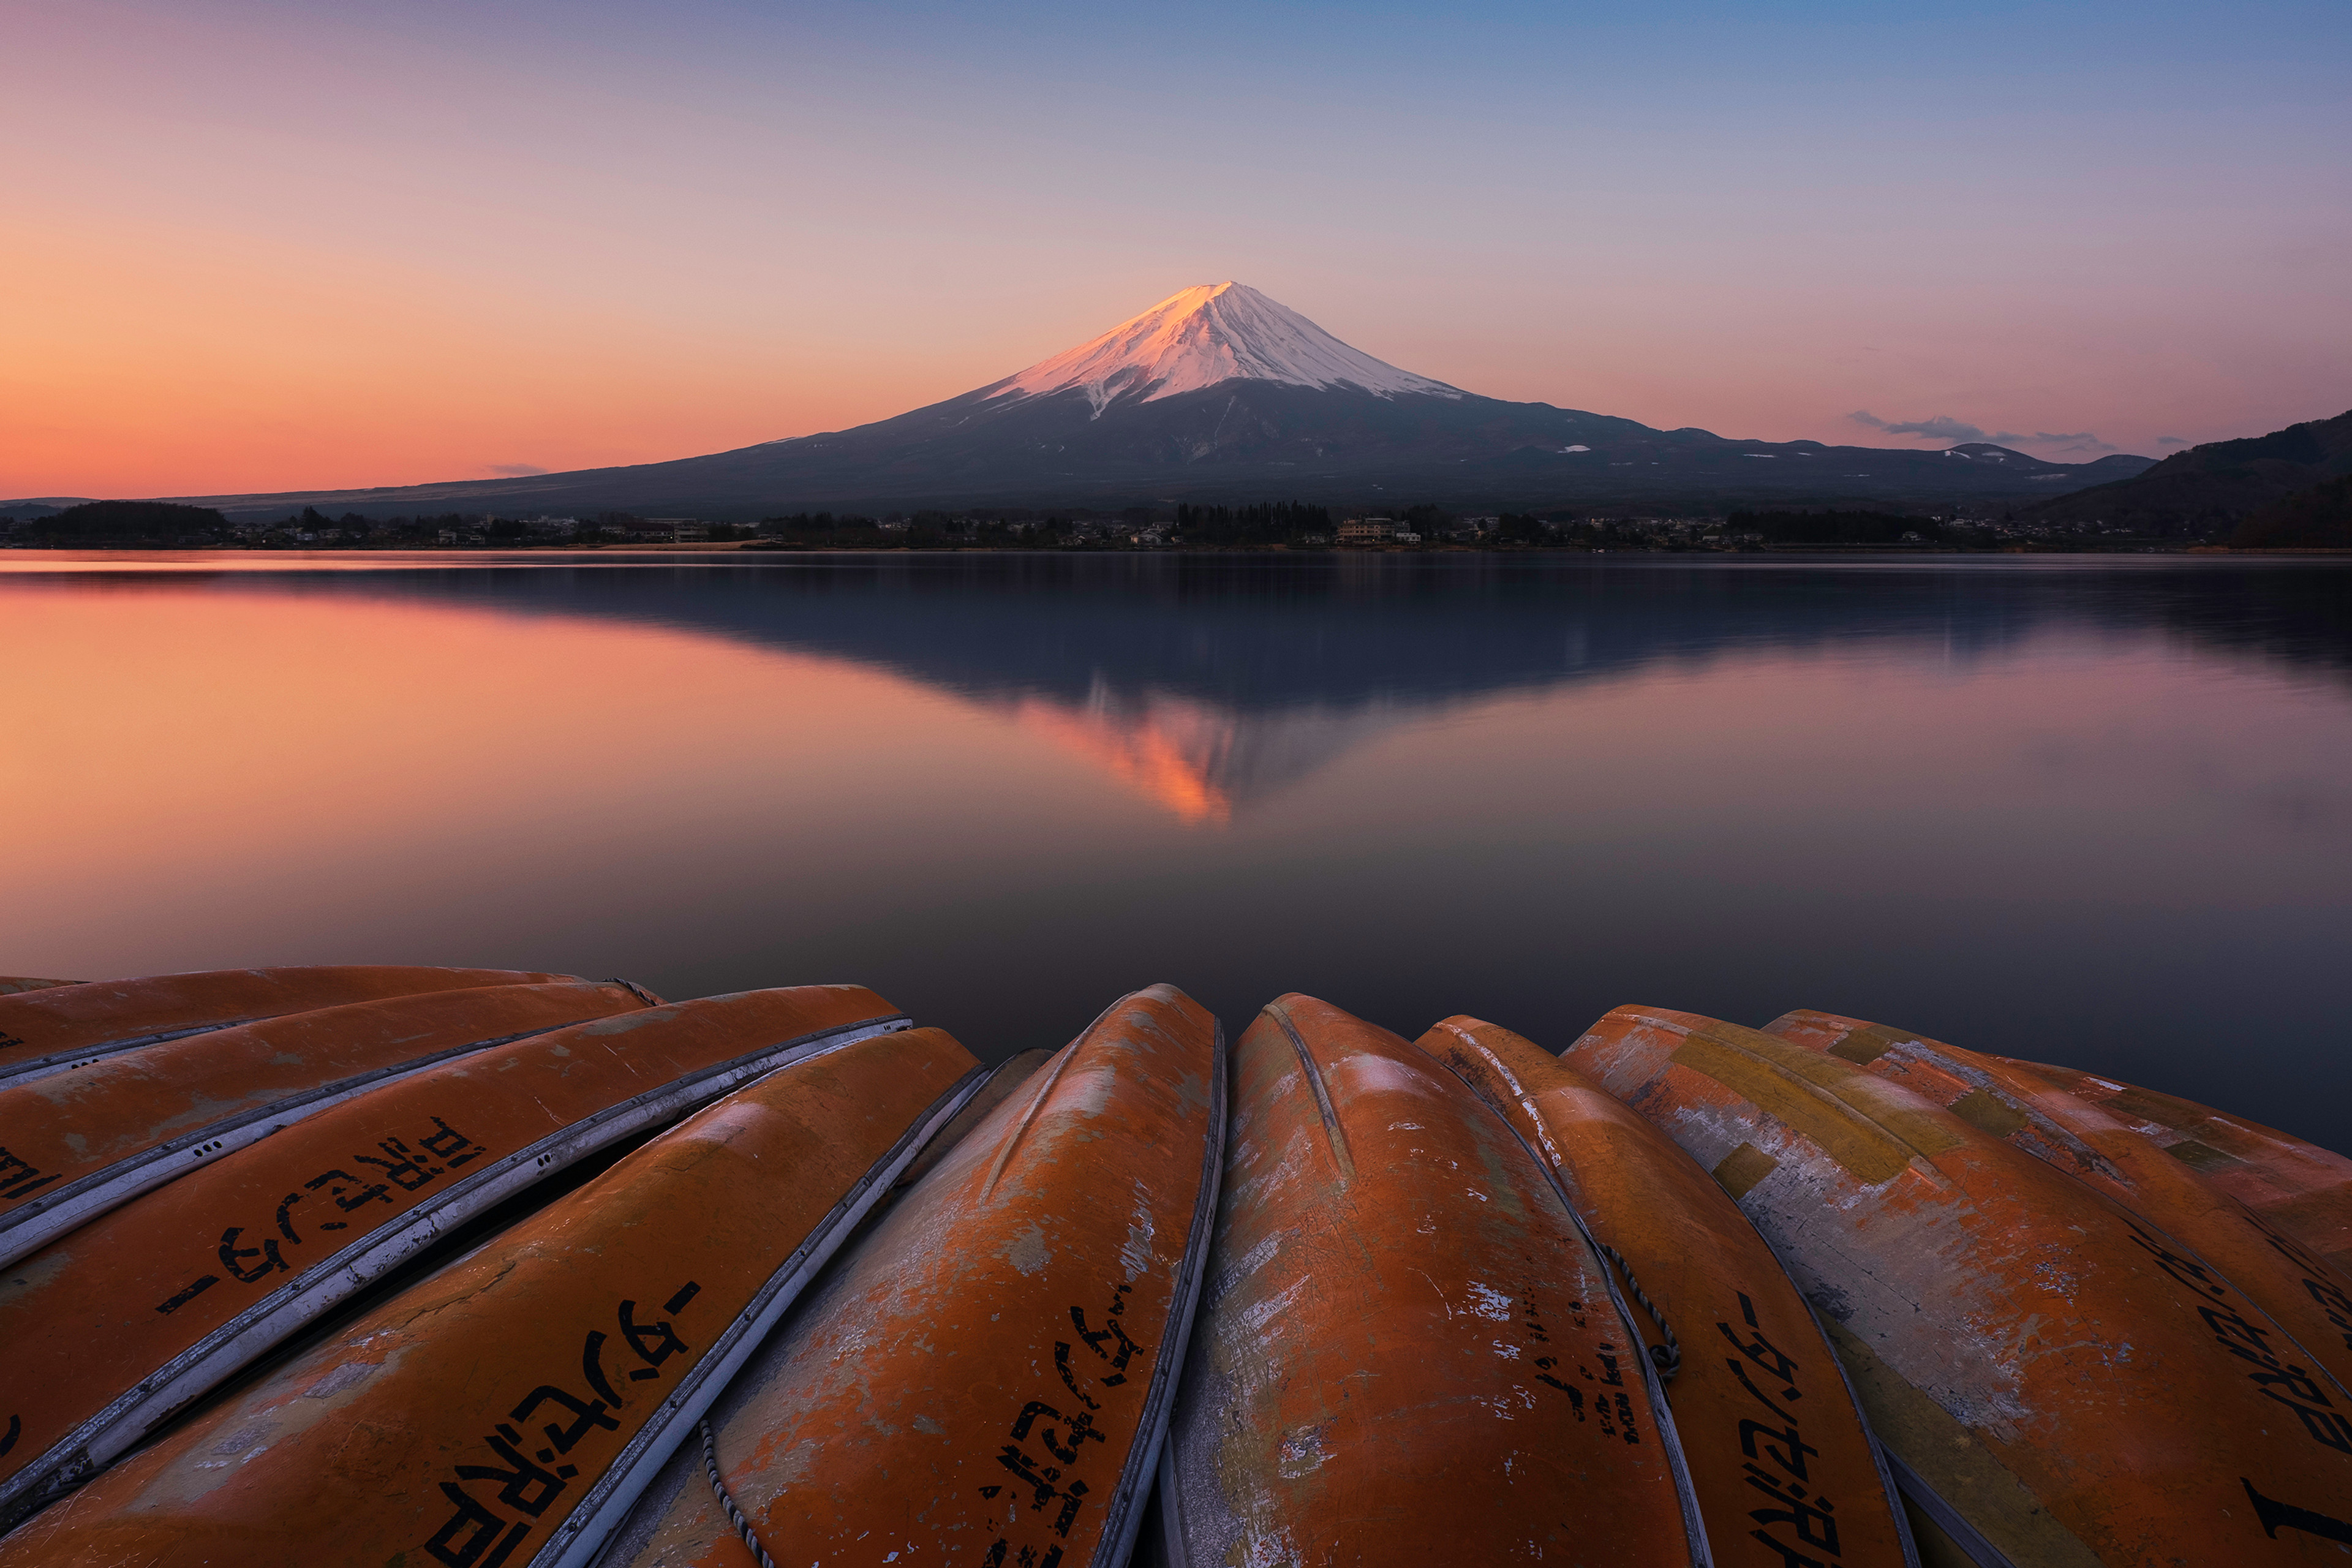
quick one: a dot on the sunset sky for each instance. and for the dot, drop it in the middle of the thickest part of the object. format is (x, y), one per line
(257, 245)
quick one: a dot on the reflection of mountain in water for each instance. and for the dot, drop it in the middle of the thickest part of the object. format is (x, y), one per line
(1206, 681)
(1197, 758)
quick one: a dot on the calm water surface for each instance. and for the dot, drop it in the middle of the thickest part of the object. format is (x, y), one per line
(2093, 811)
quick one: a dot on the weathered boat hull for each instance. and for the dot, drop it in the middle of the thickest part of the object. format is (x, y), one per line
(2307, 1296)
(52, 1028)
(2060, 1383)
(1779, 1457)
(118, 1325)
(984, 1381)
(507, 1406)
(2293, 1185)
(80, 1143)
(1410, 1353)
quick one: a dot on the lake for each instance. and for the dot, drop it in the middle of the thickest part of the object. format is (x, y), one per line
(2091, 810)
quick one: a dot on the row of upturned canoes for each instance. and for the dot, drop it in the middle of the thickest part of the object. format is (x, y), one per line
(374, 1266)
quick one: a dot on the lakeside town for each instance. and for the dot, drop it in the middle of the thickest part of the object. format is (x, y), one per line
(165, 525)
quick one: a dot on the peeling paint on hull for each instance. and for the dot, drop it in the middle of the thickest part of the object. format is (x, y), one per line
(2043, 1359)
(1408, 1353)
(985, 1381)
(2308, 1296)
(1767, 1427)
(2297, 1186)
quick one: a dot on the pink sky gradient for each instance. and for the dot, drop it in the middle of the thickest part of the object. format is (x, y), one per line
(264, 246)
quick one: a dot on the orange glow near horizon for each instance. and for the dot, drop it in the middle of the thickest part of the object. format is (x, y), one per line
(244, 368)
(259, 248)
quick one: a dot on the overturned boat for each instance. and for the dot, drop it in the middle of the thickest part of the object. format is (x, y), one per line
(492, 1268)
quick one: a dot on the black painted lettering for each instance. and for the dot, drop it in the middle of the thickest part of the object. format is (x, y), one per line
(592, 1368)
(655, 1342)
(585, 1416)
(480, 1528)
(2274, 1516)
(193, 1290)
(1069, 1379)
(523, 1485)
(230, 1252)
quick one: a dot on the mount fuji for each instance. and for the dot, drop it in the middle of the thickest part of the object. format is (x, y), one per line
(1219, 394)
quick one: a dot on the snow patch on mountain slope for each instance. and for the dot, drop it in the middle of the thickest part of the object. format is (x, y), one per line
(1212, 333)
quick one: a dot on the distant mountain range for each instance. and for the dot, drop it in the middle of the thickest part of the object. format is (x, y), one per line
(1219, 393)
(2207, 488)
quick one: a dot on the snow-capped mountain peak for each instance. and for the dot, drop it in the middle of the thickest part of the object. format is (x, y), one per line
(1205, 335)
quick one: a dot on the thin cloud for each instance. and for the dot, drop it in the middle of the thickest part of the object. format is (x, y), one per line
(2075, 441)
(516, 470)
(1942, 427)
(2171, 441)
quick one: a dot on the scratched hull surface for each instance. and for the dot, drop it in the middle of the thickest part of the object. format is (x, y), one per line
(119, 1324)
(486, 1412)
(1784, 1466)
(80, 1143)
(1408, 1353)
(2297, 1186)
(44, 1029)
(2305, 1294)
(982, 1382)
(2063, 1383)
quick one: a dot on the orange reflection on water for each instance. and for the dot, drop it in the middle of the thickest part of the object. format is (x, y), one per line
(1170, 749)
(184, 761)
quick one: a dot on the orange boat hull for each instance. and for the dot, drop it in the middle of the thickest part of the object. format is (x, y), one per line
(1768, 1427)
(982, 1382)
(1410, 1353)
(2053, 1376)
(502, 1408)
(2298, 1186)
(2305, 1294)
(80, 1143)
(54, 1027)
(118, 1325)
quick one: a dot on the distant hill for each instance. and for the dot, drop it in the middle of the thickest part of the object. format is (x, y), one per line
(2207, 489)
(124, 522)
(39, 506)
(2318, 518)
(1220, 396)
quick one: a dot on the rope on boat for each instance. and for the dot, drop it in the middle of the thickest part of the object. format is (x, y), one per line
(1667, 1357)
(718, 1487)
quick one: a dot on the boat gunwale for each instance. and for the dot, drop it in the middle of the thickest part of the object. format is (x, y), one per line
(1702, 1552)
(1889, 1483)
(603, 1511)
(1137, 1478)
